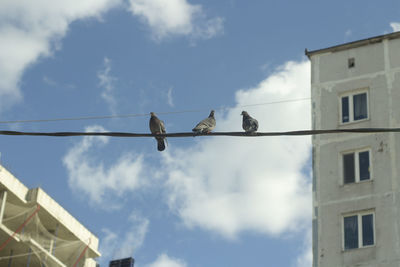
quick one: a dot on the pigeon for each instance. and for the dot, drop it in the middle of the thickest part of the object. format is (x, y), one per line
(249, 124)
(206, 125)
(157, 127)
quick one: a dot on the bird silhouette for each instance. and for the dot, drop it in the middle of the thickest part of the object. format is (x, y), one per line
(206, 125)
(157, 127)
(249, 124)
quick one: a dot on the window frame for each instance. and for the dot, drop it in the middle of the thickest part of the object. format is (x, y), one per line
(350, 95)
(357, 172)
(359, 215)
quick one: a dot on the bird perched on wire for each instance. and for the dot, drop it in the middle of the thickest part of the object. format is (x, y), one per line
(249, 124)
(157, 127)
(206, 125)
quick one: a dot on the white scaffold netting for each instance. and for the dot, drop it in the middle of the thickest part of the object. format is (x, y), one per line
(40, 243)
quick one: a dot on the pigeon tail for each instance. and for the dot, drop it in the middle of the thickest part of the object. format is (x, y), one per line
(196, 130)
(160, 144)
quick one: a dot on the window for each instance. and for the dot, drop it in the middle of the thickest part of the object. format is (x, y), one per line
(351, 62)
(358, 230)
(356, 166)
(354, 107)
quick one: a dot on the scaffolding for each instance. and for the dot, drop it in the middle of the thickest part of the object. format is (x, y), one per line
(36, 231)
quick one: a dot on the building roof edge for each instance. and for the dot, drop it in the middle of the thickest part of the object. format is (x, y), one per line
(354, 44)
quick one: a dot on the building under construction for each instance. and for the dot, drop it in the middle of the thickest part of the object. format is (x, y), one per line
(36, 231)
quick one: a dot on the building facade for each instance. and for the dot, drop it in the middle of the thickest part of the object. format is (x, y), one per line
(126, 262)
(356, 177)
(36, 231)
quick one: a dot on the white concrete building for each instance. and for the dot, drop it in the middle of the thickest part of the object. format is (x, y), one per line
(356, 177)
(35, 231)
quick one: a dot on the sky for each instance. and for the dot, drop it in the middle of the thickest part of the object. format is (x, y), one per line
(204, 201)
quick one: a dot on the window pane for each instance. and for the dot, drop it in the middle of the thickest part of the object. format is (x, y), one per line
(350, 232)
(367, 230)
(345, 109)
(364, 165)
(348, 168)
(360, 106)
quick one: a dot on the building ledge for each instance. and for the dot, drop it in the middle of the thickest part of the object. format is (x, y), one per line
(354, 44)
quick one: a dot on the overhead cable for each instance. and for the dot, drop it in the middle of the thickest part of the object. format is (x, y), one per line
(144, 114)
(191, 134)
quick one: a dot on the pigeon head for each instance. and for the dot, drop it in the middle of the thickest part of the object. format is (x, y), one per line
(244, 113)
(211, 113)
(152, 114)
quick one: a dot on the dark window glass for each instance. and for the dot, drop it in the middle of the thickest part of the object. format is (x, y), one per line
(350, 232)
(360, 106)
(345, 109)
(351, 62)
(367, 230)
(348, 168)
(364, 165)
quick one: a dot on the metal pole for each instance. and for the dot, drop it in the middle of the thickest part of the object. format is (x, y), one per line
(29, 258)
(10, 258)
(54, 240)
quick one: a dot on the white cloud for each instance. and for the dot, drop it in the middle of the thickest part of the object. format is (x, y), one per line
(165, 261)
(49, 81)
(176, 17)
(229, 185)
(123, 245)
(395, 26)
(93, 179)
(32, 29)
(134, 238)
(305, 258)
(170, 99)
(106, 81)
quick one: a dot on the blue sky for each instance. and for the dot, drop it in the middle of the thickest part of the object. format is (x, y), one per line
(205, 201)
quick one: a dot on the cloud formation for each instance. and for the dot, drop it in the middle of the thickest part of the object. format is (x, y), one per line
(305, 257)
(106, 81)
(175, 17)
(230, 185)
(99, 183)
(165, 261)
(30, 30)
(123, 245)
(170, 99)
(395, 26)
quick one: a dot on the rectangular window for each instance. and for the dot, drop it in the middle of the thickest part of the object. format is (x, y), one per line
(368, 229)
(348, 168)
(358, 230)
(354, 107)
(360, 106)
(364, 165)
(351, 62)
(356, 166)
(345, 109)
(350, 232)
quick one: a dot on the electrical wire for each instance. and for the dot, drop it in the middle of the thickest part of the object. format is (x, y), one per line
(191, 134)
(144, 114)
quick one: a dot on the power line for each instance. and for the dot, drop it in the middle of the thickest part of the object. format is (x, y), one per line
(144, 114)
(190, 134)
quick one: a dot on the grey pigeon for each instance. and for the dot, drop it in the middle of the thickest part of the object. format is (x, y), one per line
(249, 124)
(157, 127)
(206, 125)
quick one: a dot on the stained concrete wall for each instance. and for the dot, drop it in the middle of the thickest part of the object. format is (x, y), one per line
(377, 70)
